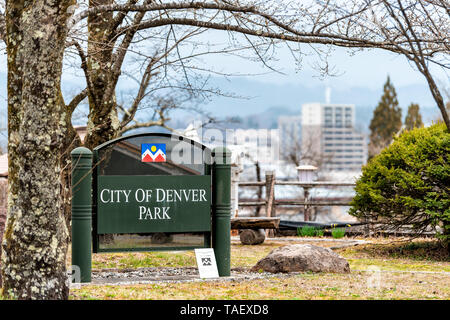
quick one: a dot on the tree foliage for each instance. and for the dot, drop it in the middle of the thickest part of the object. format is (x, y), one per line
(408, 184)
(386, 120)
(413, 117)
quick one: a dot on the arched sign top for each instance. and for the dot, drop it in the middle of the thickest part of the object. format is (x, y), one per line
(152, 134)
(152, 154)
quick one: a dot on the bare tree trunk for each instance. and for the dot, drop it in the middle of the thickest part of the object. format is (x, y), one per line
(270, 199)
(35, 246)
(103, 121)
(437, 96)
(3, 208)
(259, 193)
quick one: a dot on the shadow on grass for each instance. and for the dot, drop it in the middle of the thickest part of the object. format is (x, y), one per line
(419, 249)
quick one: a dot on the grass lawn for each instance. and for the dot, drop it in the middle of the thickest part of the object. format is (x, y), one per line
(383, 269)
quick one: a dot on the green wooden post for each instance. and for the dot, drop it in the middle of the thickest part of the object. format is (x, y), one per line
(221, 204)
(82, 211)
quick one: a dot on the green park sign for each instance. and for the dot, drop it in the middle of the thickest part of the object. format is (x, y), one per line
(150, 192)
(138, 204)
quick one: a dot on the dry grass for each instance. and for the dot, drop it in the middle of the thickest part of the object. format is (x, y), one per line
(418, 249)
(414, 270)
(302, 286)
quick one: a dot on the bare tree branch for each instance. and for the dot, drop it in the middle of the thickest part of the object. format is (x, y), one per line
(77, 100)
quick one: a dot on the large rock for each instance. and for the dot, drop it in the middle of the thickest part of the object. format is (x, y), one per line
(302, 257)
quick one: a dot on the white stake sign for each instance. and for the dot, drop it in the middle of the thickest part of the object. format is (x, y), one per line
(206, 262)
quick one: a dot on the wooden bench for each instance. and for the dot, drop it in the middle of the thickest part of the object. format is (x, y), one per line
(251, 228)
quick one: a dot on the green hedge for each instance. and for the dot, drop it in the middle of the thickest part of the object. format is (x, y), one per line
(408, 183)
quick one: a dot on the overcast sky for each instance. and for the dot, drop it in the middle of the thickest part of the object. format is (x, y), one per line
(367, 69)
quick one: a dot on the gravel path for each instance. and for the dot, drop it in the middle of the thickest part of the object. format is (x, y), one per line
(169, 274)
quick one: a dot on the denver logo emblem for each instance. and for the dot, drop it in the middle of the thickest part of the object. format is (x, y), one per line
(153, 152)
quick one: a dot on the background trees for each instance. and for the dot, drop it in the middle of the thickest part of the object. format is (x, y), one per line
(405, 24)
(413, 118)
(163, 36)
(386, 120)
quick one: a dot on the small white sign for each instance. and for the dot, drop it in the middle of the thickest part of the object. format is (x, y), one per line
(206, 262)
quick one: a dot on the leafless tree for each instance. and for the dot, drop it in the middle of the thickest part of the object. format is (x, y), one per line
(419, 30)
(416, 29)
(305, 150)
(257, 165)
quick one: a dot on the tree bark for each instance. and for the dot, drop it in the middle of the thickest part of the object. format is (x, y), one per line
(103, 121)
(259, 192)
(255, 223)
(270, 198)
(35, 239)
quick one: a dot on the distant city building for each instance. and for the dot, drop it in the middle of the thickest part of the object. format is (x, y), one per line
(328, 130)
(329, 115)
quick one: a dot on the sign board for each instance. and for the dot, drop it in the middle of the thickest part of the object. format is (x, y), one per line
(151, 192)
(206, 262)
(140, 204)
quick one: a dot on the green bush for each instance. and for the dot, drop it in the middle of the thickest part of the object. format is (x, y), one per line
(408, 183)
(337, 233)
(309, 231)
(306, 231)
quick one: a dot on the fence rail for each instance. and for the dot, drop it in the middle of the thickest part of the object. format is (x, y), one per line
(299, 183)
(271, 203)
(295, 203)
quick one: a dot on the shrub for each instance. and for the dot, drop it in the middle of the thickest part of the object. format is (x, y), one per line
(408, 183)
(309, 231)
(319, 232)
(338, 233)
(306, 231)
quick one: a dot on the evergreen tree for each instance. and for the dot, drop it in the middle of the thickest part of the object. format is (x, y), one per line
(386, 120)
(413, 118)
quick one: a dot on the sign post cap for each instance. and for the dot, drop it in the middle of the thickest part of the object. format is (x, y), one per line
(81, 151)
(221, 151)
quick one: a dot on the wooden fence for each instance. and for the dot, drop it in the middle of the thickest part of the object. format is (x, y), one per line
(270, 203)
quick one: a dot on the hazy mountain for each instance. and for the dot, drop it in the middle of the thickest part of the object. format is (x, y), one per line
(265, 102)
(261, 103)
(260, 96)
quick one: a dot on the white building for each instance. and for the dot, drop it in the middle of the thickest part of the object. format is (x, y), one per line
(329, 130)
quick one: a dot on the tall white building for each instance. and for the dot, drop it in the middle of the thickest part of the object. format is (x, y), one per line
(328, 130)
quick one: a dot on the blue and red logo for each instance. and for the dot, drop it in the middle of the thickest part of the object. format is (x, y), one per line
(153, 152)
